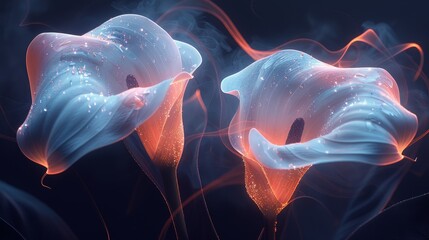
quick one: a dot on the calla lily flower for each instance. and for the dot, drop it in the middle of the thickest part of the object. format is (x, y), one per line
(163, 135)
(93, 90)
(350, 114)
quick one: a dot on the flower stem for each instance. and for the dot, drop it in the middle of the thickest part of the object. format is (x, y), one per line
(270, 228)
(172, 196)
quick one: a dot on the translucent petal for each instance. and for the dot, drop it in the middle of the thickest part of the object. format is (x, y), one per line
(81, 99)
(350, 114)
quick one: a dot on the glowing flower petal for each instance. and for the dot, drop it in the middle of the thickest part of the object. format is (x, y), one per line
(80, 87)
(162, 135)
(350, 114)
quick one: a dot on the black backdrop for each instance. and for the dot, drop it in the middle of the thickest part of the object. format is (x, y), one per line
(109, 183)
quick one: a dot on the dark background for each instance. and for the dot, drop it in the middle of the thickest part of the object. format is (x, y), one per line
(107, 184)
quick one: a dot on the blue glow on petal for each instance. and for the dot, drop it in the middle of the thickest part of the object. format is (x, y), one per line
(80, 87)
(350, 114)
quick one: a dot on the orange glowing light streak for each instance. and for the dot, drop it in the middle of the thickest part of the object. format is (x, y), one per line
(213, 9)
(219, 133)
(24, 22)
(369, 37)
(418, 138)
(196, 97)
